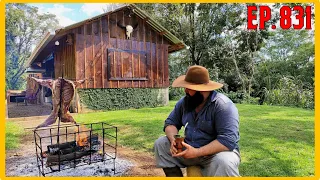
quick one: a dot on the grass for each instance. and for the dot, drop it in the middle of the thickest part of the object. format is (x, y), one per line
(274, 140)
(13, 134)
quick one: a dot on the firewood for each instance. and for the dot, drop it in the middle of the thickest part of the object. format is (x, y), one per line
(54, 159)
(55, 148)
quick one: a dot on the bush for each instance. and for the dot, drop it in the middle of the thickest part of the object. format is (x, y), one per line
(251, 100)
(236, 97)
(176, 93)
(290, 93)
(241, 97)
(124, 98)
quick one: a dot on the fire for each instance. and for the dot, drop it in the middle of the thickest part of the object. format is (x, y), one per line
(82, 137)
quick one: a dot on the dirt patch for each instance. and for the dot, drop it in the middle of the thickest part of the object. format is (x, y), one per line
(144, 163)
(21, 110)
(137, 163)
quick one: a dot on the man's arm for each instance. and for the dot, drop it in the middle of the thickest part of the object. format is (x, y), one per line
(227, 126)
(174, 121)
(172, 125)
(170, 131)
(209, 149)
(212, 148)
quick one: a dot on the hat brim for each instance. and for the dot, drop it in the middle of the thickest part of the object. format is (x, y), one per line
(210, 86)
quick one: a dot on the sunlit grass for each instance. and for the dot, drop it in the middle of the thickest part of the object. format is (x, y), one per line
(13, 134)
(274, 140)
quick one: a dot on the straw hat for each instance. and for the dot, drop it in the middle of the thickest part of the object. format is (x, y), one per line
(197, 78)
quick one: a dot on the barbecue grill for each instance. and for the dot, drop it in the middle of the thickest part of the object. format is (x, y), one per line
(61, 147)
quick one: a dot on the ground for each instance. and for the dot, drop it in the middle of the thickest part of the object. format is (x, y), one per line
(32, 115)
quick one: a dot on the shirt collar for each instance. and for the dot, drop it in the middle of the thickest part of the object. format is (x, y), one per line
(214, 96)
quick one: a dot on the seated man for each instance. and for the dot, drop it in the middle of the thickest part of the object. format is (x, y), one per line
(211, 123)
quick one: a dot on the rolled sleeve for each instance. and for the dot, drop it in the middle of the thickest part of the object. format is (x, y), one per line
(227, 125)
(175, 116)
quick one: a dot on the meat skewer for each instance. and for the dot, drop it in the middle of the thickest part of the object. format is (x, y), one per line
(67, 95)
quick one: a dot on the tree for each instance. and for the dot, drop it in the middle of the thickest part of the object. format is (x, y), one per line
(219, 40)
(24, 27)
(287, 53)
(285, 70)
(200, 26)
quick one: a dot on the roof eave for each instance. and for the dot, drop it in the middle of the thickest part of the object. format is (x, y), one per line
(30, 70)
(174, 40)
(177, 44)
(43, 43)
(72, 26)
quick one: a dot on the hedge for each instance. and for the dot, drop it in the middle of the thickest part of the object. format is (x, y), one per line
(116, 98)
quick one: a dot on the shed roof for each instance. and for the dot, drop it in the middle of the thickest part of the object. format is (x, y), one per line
(47, 42)
(35, 69)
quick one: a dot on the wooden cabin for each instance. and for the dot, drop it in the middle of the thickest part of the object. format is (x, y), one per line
(102, 51)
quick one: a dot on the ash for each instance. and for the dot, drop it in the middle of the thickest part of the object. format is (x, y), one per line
(27, 166)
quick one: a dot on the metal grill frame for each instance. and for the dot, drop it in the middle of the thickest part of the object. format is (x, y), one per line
(104, 132)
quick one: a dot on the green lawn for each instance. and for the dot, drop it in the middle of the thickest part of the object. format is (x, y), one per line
(13, 134)
(274, 141)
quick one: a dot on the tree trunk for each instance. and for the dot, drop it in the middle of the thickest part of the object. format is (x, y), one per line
(237, 69)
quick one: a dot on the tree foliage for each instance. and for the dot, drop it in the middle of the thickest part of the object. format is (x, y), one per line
(287, 61)
(24, 28)
(248, 62)
(200, 26)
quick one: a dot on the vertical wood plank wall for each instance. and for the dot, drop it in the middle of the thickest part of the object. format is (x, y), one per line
(64, 60)
(92, 41)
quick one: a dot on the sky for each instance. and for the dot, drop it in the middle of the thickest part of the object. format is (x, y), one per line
(70, 13)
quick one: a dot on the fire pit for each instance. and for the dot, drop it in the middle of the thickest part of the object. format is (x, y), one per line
(63, 147)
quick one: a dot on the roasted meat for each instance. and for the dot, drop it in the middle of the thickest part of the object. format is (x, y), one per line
(68, 90)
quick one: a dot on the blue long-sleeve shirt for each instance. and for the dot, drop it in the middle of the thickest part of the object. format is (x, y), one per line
(218, 119)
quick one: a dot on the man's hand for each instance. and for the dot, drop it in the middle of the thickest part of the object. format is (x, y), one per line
(189, 153)
(170, 132)
(173, 149)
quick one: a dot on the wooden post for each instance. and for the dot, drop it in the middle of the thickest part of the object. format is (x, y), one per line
(7, 116)
(41, 98)
(76, 106)
(74, 103)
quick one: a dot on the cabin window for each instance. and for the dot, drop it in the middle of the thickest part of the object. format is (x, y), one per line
(127, 65)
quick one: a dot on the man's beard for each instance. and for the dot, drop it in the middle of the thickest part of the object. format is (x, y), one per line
(191, 102)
